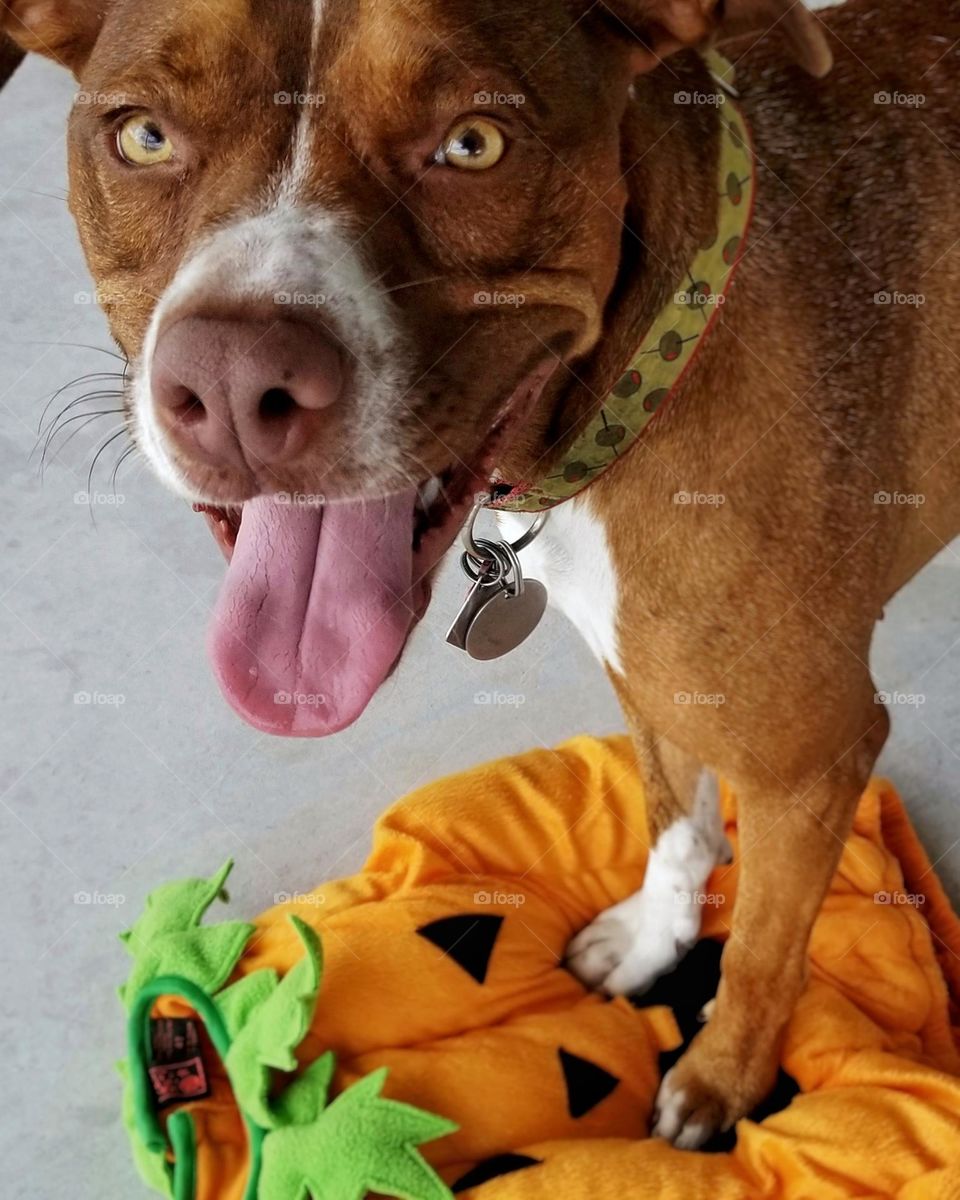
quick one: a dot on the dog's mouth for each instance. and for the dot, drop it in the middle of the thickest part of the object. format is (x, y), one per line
(437, 503)
(320, 598)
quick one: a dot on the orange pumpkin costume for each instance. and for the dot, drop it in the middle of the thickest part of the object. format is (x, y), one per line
(443, 964)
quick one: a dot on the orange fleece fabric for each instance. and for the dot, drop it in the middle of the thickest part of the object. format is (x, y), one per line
(444, 964)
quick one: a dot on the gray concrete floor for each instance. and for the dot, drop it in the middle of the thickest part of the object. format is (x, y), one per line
(114, 798)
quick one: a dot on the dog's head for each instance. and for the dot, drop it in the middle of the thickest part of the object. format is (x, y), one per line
(350, 248)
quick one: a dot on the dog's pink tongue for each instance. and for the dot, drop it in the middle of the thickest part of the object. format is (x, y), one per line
(314, 611)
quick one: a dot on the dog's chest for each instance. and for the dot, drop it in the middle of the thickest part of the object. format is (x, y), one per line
(571, 557)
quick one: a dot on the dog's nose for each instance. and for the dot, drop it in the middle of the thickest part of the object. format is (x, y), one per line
(238, 393)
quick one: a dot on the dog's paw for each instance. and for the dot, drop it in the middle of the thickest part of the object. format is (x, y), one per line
(687, 1113)
(631, 945)
(714, 1084)
(626, 949)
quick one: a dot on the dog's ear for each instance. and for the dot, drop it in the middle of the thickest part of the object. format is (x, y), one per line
(661, 27)
(64, 30)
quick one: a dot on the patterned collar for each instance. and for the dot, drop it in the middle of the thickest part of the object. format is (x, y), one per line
(677, 332)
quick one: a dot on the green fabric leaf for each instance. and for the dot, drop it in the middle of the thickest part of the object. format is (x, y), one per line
(151, 1164)
(174, 907)
(205, 956)
(240, 999)
(303, 1100)
(167, 938)
(183, 1138)
(362, 1143)
(274, 1030)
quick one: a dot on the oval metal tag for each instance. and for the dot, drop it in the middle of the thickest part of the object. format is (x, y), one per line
(505, 621)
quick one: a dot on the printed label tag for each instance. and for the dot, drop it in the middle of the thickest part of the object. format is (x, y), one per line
(178, 1073)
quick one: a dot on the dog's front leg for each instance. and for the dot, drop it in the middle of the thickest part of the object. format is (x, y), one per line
(790, 844)
(645, 936)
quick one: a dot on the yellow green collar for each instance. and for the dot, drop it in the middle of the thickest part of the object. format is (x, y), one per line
(676, 333)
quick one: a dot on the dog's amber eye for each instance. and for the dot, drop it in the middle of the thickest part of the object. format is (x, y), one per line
(142, 142)
(473, 144)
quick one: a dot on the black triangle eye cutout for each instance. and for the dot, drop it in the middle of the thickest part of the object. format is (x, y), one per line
(494, 1168)
(587, 1084)
(469, 940)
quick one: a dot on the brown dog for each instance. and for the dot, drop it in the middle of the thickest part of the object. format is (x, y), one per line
(376, 162)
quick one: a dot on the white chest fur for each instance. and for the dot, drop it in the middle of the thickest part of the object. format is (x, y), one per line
(571, 557)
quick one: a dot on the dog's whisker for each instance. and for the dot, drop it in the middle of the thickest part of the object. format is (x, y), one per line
(494, 16)
(85, 419)
(83, 425)
(48, 433)
(46, 195)
(412, 284)
(373, 282)
(86, 398)
(104, 446)
(78, 346)
(113, 437)
(91, 377)
(103, 412)
(131, 449)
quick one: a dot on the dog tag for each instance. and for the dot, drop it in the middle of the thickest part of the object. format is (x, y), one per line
(504, 619)
(457, 633)
(502, 609)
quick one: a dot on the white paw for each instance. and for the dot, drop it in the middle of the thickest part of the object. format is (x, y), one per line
(629, 947)
(643, 937)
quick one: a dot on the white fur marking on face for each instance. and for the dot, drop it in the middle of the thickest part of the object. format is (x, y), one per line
(293, 253)
(293, 181)
(571, 558)
(633, 943)
(301, 260)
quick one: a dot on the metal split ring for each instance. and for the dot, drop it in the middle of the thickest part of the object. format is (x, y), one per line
(495, 563)
(472, 547)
